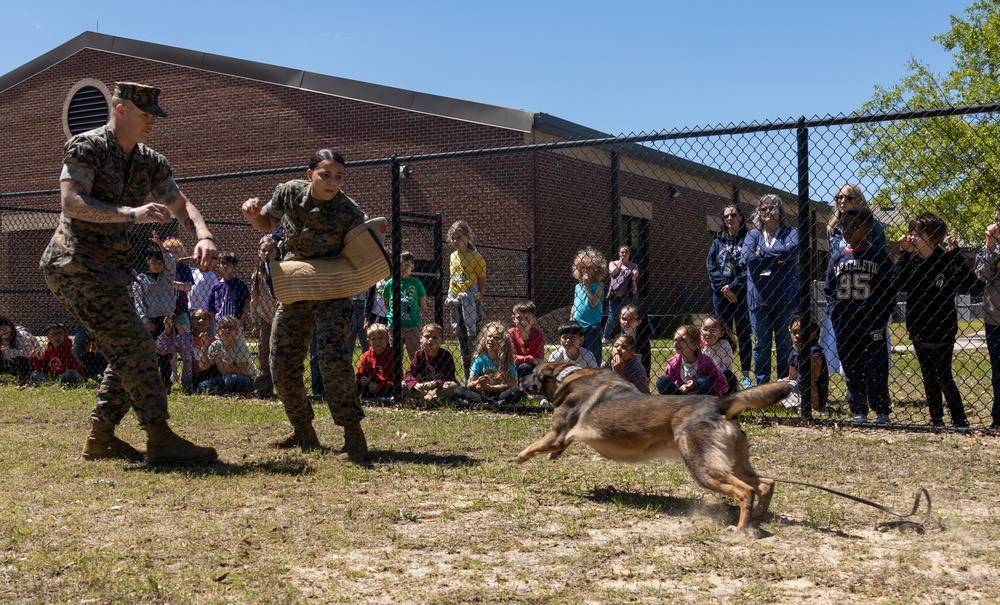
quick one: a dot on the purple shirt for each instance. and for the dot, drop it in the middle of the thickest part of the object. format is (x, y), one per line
(227, 298)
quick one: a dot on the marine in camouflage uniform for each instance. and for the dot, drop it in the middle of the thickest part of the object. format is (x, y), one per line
(87, 265)
(313, 229)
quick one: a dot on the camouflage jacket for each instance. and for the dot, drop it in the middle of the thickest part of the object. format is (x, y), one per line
(313, 228)
(101, 250)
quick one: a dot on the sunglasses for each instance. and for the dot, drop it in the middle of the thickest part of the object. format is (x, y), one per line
(768, 209)
(730, 215)
(844, 198)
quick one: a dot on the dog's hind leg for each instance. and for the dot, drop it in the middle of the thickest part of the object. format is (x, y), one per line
(552, 443)
(709, 465)
(763, 487)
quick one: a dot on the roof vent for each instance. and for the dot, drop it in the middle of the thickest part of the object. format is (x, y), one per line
(88, 109)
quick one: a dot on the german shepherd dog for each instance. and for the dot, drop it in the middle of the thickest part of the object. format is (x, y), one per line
(607, 413)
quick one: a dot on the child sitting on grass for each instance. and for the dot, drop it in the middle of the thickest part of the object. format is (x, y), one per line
(374, 375)
(57, 361)
(493, 376)
(431, 376)
(626, 363)
(717, 343)
(233, 359)
(572, 351)
(810, 396)
(526, 338)
(691, 372)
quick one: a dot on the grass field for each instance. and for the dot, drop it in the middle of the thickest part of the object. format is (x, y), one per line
(443, 515)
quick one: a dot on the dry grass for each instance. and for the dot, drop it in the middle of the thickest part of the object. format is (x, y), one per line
(444, 516)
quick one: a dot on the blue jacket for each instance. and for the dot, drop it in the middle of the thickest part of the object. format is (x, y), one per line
(725, 261)
(772, 270)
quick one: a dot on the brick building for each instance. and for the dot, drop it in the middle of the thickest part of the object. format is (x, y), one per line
(233, 126)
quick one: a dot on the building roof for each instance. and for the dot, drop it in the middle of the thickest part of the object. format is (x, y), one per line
(469, 111)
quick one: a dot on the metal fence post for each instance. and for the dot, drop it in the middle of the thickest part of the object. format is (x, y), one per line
(396, 239)
(806, 236)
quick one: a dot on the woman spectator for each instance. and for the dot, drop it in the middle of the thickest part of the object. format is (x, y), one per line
(623, 290)
(727, 274)
(769, 253)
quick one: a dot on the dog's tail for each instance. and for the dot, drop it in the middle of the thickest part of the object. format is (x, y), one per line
(757, 398)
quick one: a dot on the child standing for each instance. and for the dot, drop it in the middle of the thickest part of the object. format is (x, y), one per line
(860, 298)
(233, 359)
(717, 344)
(931, 271)
(690, 372)
(262, 309)
(153, 296)
(589, 269)
(57, 361)
(526, 339)
(374, 374)
(493, 376)
(626, 363)
(466, 290)
(987, 261)
(412, 301)
(432, 372)
(814, 394)
(229, 296)
(571, 349)
(315, 216)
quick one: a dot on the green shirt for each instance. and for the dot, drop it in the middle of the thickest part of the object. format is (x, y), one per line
(410, 292)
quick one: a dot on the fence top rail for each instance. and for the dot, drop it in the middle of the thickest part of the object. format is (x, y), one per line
(607, 142)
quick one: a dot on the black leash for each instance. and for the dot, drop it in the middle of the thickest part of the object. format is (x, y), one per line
(886, 526)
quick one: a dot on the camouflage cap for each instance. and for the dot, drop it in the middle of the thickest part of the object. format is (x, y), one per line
(142, 96)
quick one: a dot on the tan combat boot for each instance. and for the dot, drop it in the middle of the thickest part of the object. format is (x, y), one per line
(163, 445)
(301, 436)
(355, 446)
(103, 445)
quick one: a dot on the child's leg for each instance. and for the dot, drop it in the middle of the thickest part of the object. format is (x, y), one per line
(466, 345)
(993, 346)
(238, 383)
(951, 393)
(929, 371)
(468, 394)
(665, 386)
(263, 384)
(592, 341)
(411, 340)
(703, 385)
(877, 372)
(852, 349)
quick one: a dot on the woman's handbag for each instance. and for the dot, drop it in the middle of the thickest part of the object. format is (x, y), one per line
(359, 266)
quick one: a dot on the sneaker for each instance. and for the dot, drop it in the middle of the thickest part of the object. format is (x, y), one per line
(882, 419)
(859, 418)
(745, 382)
(995, 426)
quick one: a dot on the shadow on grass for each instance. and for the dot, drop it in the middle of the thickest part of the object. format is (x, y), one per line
(687, 507)
(294, 465)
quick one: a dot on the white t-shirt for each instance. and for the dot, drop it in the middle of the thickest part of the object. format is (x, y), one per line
(198, 296)
(239, 352)
(689, 371)
(585, 359)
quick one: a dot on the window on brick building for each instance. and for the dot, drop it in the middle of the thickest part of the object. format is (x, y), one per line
(86, 107)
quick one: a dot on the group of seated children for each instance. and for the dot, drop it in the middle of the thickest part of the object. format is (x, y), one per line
(22, 356)
(217, 365)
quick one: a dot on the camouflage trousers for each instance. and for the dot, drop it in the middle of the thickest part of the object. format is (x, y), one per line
(291, 333)
(132, 379)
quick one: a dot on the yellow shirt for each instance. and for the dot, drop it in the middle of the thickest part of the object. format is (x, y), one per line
(466, 269)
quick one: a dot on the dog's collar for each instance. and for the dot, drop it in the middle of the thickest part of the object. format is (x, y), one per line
(561, 376)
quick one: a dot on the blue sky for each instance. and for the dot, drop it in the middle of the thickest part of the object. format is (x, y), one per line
(620, 67)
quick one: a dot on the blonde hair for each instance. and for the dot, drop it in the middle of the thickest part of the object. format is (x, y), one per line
(377, 328)
(859, 200)
(175, 247)
(590, 256)
(463, 228)
(505, 356)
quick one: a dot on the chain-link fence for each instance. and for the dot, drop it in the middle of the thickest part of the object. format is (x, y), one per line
(731, 230)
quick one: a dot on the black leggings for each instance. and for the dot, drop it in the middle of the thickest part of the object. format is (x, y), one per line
(935, 366)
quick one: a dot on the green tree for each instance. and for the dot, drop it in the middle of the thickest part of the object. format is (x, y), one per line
(946, 165)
